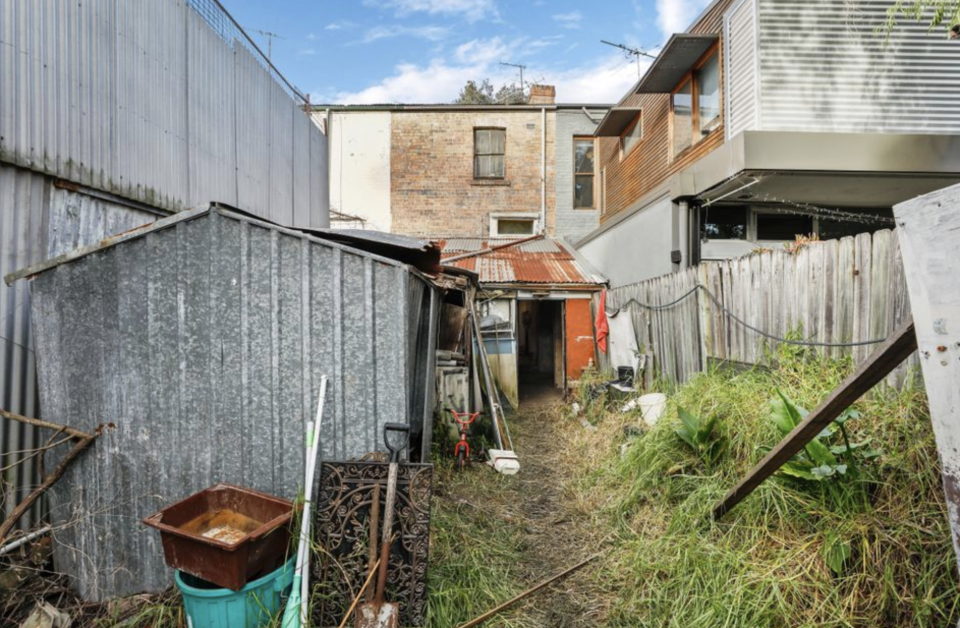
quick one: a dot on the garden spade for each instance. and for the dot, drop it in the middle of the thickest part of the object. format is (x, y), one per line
(378, 613)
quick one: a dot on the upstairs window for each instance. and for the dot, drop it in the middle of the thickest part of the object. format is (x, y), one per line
(584, 190)
(489, 149)
(631, 136)
(696, 104)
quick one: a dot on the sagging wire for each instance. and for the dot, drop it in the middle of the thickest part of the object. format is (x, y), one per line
(723, 308)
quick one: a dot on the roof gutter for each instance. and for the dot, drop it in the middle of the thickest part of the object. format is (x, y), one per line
(457, 258)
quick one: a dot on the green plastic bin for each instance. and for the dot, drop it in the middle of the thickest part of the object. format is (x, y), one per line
(253, 606)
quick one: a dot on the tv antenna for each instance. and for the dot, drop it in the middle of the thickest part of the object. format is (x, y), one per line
(516, 65)
(270, 37)
(630, 52)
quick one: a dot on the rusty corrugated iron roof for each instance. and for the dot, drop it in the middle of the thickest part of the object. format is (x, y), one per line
(547, 261)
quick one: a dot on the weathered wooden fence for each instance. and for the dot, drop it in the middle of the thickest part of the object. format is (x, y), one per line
(833, 292)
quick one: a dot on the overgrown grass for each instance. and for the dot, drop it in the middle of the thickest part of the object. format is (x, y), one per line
(475, 547)
(763, 564)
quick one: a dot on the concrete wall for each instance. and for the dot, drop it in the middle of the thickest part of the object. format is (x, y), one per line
(360, 166)
(636, 248)
(433, 188)
(572, 223)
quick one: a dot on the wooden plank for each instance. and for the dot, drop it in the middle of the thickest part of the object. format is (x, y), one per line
(880, 363)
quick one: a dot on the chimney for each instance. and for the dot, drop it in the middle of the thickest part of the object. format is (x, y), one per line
(542, 95)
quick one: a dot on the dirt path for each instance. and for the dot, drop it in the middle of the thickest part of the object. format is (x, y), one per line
(556, 533)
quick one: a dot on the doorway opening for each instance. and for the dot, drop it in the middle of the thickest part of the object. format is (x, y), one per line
(540, 357)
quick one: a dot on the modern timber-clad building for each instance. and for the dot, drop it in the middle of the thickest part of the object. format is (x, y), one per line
(769, 119)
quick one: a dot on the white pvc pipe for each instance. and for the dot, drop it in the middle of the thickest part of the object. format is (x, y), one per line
(311, 467)
(24, 540)
(543, 170)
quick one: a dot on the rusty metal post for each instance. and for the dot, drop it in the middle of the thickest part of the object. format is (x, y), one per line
(929, 231)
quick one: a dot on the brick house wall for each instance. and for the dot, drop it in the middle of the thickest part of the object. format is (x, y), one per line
(433, 190)
(572, 223)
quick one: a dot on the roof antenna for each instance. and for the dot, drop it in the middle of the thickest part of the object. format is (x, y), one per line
(630, 52)
(270, 37)
(522, 68)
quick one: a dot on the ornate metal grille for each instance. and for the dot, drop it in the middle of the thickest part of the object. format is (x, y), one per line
(343, 534)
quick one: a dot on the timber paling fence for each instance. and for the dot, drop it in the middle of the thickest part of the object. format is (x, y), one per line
(850, 292)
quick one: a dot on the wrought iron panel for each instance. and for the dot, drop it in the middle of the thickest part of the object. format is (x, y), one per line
(343, 532)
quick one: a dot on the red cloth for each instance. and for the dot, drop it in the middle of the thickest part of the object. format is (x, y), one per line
(601, 324)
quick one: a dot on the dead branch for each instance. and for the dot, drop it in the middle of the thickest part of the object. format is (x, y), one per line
(45, 424)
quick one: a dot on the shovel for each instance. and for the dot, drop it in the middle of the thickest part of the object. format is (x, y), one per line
(380, 614)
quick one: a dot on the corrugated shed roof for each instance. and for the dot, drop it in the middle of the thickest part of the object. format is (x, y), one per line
(542, 261)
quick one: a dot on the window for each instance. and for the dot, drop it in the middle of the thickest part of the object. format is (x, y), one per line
(507, 225)
(723, 223)
(782, 227)
(683, 118)
(584, 191)
(696, 105)
(631, 136)
(489, 147)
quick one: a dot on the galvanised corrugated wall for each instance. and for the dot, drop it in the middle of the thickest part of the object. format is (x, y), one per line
(824, 67)
(741, 58)
(144, 99)
(37, 221)
(204, 340)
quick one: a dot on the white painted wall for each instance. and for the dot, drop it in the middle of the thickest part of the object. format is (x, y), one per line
(360, 166)
(637, 248)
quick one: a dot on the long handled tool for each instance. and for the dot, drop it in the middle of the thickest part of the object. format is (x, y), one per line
(295, 614)
(380, 614)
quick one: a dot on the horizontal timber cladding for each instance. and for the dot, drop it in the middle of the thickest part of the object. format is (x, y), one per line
(204, 340)
(649, 163)
(835, 291)
(146, 100)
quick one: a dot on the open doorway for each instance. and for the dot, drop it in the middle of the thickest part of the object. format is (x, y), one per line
(540, 348)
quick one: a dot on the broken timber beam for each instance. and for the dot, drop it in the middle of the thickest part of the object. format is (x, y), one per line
(881, 363)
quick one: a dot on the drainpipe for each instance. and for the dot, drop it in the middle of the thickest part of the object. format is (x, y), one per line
(543, 170)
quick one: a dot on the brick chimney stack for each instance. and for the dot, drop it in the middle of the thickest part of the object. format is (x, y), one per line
(542, 95)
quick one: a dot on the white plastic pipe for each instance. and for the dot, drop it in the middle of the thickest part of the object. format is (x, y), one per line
(311, 466)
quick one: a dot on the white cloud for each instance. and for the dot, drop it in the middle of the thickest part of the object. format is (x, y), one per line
(569, 20)
(472, 10)
(336, 26)
(430, 33)
(604, 80)
(306, 52)
(675, 16)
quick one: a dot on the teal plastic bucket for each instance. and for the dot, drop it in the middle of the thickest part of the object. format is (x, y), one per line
(252, 606)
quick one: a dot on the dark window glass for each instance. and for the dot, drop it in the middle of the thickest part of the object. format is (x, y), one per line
(723, 223)
(583, 191)
(782, 227)
(583, 169)
(834, 229)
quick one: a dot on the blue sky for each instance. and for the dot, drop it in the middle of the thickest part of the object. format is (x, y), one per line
(375, 51)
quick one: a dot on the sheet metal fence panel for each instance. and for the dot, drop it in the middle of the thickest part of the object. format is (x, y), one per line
(836, 291)
(160, 101)
(204, 341)
(37, 221)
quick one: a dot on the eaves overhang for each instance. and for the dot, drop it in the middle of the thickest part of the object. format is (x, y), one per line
(677, 58)
(616, 121)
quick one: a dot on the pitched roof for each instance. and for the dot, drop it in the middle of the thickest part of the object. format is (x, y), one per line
(542, 261)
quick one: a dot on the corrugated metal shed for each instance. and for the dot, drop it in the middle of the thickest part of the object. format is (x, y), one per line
(145, 99)
(203, 338)
(540, 261)
(37, 220)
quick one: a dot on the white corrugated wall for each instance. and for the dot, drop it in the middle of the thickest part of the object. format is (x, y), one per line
(740, 67)
(825, 67)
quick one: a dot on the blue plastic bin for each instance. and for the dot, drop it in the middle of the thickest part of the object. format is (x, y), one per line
(252, 606)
